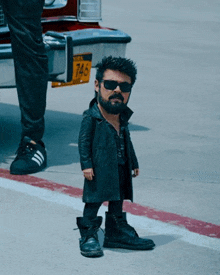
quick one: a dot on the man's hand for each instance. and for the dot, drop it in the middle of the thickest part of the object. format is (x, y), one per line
(88, 173)
(136, 172)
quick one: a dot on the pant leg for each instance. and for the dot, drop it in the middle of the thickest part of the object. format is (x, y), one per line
(115, 207)
(123, 181)
(91, 210)
(31, 63)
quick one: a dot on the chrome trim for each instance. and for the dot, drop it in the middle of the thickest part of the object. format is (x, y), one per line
(58, 19)
(56, 5)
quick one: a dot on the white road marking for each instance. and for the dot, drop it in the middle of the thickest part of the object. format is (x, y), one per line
(153, 226)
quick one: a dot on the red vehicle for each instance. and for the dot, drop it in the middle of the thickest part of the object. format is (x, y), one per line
(74, 40)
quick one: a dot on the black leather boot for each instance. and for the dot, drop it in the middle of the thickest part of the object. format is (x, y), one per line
(89, 243)
(119, 234)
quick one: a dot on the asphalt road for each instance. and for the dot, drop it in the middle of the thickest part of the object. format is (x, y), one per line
(175, 130)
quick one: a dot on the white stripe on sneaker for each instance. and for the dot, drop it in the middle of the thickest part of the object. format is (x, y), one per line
(40, 154)
(41, 159)
(37, 161)
(38, 158)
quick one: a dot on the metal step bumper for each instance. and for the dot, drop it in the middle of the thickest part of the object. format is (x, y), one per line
(60, 50)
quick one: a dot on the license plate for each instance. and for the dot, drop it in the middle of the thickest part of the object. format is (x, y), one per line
(82, 64)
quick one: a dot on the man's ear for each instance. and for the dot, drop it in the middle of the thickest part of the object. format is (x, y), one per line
(96, 85)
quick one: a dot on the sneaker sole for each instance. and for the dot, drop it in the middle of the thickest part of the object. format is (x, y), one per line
(17, 172)
(127, 246)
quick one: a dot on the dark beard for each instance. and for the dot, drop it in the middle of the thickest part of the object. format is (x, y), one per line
(115, 109)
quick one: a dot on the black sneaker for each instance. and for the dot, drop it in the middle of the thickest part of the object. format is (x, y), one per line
(31, 157)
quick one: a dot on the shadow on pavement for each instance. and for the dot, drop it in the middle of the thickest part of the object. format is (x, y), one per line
(61, 135)
(163, 239)
(159, 240)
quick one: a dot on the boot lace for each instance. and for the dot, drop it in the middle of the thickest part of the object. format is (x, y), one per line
(25, 149)
(92, 232)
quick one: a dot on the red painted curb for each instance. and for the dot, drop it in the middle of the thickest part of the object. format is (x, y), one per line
(200, 227)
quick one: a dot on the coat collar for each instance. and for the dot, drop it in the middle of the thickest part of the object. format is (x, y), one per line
(95, 112)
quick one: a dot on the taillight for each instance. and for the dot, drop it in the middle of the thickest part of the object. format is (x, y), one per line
(89, 10)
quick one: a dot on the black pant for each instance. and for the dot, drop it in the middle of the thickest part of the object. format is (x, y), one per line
(30, 61)
(91, 209)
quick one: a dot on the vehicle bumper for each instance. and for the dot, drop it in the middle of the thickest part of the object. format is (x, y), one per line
(60, 50)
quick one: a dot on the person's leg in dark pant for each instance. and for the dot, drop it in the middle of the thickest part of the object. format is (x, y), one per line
(31, 72)
(115, 207)
(91, 210)
(30, 61)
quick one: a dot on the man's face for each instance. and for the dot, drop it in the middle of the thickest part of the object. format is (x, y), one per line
(113, 99)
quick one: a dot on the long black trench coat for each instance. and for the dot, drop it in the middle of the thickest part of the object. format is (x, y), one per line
(98, 150)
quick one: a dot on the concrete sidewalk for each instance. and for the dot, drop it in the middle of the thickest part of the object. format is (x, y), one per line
(38, 238)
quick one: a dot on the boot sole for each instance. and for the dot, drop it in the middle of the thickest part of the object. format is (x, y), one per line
(92, 254)
(127, 246)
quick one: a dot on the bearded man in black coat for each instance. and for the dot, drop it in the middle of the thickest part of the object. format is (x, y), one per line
(107, 160)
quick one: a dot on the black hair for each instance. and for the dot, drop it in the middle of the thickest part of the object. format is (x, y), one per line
(120, 64)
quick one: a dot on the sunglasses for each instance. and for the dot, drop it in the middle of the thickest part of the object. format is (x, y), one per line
(125, 87)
